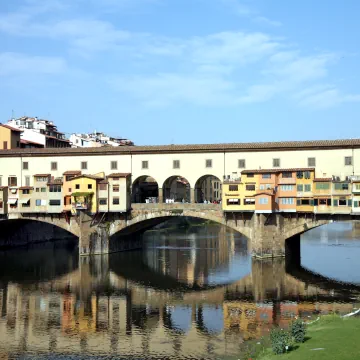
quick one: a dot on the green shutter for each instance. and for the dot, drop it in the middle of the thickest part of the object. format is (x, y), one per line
(356, 204)
(349, 202)
(299, 187)
(298, 202)
(335, 202)
(312, 202)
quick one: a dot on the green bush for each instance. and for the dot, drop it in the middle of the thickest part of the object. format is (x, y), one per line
(298, 330)
(280, 341)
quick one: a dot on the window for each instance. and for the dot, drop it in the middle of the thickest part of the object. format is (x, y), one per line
(116, 201)
(356, 203)
(241, 164)
(348, 160)
(325, 202)
(145, 164)
(233, 202)
(342, 202)
(1, 204)
(250, 187)
(286, 175)
(113, 165)
(55, 188)
(300, 187)
(12, 181)
(25, 165)
(311, 162)
(249, 201)
(5, 145)
(53, 165)
(208, 163)
(43, 189)
(37, 189)
(89, 186)
(287, 201)
(357, 186)
(307, 175)
(102, 201)
(266, 176)
(287, 187)
(38, 202)
(55, 202)
(26, 205)
(322, 186)
(276, 162)
(26, 192)
(84, 165)
(103, 187)
(27, 180)
(304, 202)
(176, 164)
(70, 190)
(233, 187)
(307, 187)
(263, 201)
(341, 186)
(77, 186)
(42, 178)
(299, 174)
(262, 187)
(116, 188)
(250, 175)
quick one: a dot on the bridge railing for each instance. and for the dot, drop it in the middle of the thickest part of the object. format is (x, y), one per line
(164, 206)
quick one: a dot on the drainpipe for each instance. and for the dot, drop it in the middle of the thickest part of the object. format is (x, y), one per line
(353, 161)
(224, 165)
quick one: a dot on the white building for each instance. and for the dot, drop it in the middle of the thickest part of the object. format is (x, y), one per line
(97, 139)
(39, 132)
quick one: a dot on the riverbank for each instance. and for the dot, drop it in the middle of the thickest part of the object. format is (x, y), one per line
(330, 338)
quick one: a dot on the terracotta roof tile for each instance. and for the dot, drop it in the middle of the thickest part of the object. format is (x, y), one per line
(72, 172)
(87, 176)
(274, 171)
(192, 148)
(26, 188)
(322, 179)
(11, 128)
(115, 175)
(42, 175)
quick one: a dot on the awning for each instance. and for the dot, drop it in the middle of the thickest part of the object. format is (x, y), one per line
(12, 201)
(24, 201)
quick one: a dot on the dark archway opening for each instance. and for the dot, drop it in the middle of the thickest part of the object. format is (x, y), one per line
(208, 189)
(145, 189)
(176, 189)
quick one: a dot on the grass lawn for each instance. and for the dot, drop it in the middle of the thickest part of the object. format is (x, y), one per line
(334, 337)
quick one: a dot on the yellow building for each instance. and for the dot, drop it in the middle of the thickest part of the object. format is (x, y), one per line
(322, 195)
(304, 190)
(9, 137)
(84, 192)
(341, 197)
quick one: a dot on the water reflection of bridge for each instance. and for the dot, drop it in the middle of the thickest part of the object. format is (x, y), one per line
(95, 309)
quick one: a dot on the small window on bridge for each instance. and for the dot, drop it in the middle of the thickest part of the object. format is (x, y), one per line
(25, 165)
(233, 202)
(311, 162)
(116, 188)
(145, 164)
(266, 176)
(102, 201)
(84, 165)
(54, 166)
(250, 187)
(276, 162)
(116, 201)
(233, 187)
(114, 165)
(208, 163)
(342, 202)
(348, 160)
(176, 164)
(55, 202)
(12, 181)
(287, 174)
(241, 164)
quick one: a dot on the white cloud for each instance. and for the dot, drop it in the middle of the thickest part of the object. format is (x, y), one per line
(19, 64)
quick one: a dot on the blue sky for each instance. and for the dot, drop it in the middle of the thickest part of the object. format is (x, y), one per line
(184, 71)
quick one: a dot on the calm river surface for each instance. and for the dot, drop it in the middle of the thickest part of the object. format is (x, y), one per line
(193, 292)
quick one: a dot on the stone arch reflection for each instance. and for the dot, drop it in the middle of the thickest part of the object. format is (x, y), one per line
(145, 189)
(208, 188)
(176, 189)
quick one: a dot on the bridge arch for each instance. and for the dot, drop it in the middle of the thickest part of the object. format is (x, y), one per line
(208, 187)
(176, 188)
(144, 188)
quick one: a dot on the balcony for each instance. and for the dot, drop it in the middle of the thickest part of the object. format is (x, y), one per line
(286, 181)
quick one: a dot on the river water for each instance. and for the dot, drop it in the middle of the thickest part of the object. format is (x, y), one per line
(193, 292)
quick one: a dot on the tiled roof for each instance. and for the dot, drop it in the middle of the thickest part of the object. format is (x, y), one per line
(42, 175)
(103, 182)
(115, 175)
(3, 187)
(273, 171)
(322, 179)
(72, 172)
(11, 128)
(26, 188)
(22, 141)
(230, 147)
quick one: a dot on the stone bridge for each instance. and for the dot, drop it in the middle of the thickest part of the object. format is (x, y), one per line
(269, 235)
